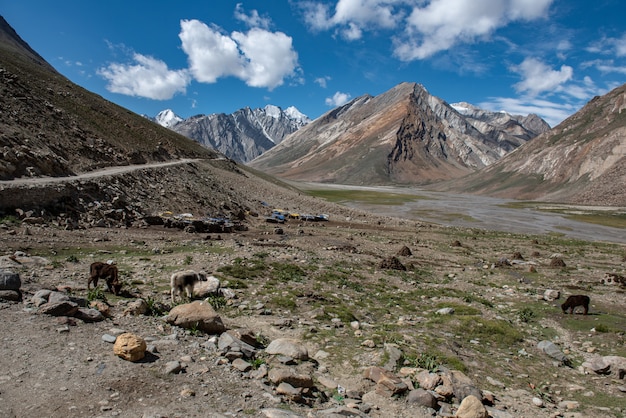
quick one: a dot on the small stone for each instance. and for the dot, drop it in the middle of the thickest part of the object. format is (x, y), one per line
(537, 402)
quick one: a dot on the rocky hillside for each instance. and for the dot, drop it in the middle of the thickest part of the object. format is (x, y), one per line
(52, 127)
(582, 160)
(404, 136)
(242, 135)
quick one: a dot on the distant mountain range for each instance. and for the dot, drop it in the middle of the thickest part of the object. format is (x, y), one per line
(582, 160)
(242, 135)
(403, 136)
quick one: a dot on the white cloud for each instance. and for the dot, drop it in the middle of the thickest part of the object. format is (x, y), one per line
(259, 57)
(441, 24)
(253, 20)
(620, 46)
(147, 77)
(210, 53)
(322, 81)
(338, 99)
(538, 77)
(352, 17)
(552, 112)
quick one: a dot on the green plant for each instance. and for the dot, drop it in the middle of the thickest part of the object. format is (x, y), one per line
(216, 301)
(526, 314)
(72, 259)
(428, 361)
(257, 362)
(155, 308)
(195, 330)
(96, 294)
(188, 260)
(602, 328)
(287, 272)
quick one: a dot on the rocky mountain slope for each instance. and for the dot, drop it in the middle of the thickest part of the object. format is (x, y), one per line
(51, 127)
(402, 136)
(582, 160)
(242, 135)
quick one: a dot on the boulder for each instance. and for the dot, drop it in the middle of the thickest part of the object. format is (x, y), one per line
(130, 347)
(422, 397)
(278, 375)
(428, 380)
(288, 347)
(387, 383)
(89, 315)
(10, 280)
(63, 308)
(196, 315)
(10, 295)
(462, 386)
(136, 307)
(471, 407)
(553, 351)
(203, 289)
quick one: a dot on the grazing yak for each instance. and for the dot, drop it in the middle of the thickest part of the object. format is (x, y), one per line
(105, 271)
(184, 280)
(576, 300)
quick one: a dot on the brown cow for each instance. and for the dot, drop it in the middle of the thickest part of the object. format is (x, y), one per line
(99, 270)
(576, 300)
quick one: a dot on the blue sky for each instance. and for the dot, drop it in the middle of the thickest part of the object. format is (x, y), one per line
(200, 57)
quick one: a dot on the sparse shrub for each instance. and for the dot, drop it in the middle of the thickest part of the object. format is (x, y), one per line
(96, 294)
(216, 301)
(188, 260)
(72, 259)
(244, 269)
(287, 272)
(428, 361)
(602, 328)
(156, 308)
(526, 314)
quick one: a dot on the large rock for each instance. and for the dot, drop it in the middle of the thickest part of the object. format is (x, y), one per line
(428, 380)
(89, 315)
(198, 315)
(288, 347)
(130, 347)
(203, 289)
(553, 351)
(422, 397)
(278, 375)
(62, 308)
(10, 280)
(471, 407)
(462, 385)
(11, 295)
(387, 383)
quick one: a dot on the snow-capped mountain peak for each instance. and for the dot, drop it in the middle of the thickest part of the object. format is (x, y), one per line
(167, 118)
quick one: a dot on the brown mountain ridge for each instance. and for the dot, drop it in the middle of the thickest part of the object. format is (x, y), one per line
(403, 136)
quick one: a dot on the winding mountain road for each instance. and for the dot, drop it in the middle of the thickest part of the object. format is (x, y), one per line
(109, 171)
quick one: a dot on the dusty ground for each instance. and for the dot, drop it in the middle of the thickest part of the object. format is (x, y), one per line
(50, 369)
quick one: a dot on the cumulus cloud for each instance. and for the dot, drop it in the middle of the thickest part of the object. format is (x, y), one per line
(538, 77)
(425, 27)
(259, 57)
(146, 77)
(338, 99)
(351, 17)
(441, 24)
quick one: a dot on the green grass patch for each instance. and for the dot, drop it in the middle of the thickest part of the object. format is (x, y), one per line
(490, 331)
(365, 196)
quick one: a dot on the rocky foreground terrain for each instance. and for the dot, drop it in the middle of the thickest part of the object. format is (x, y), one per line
(356, 316)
